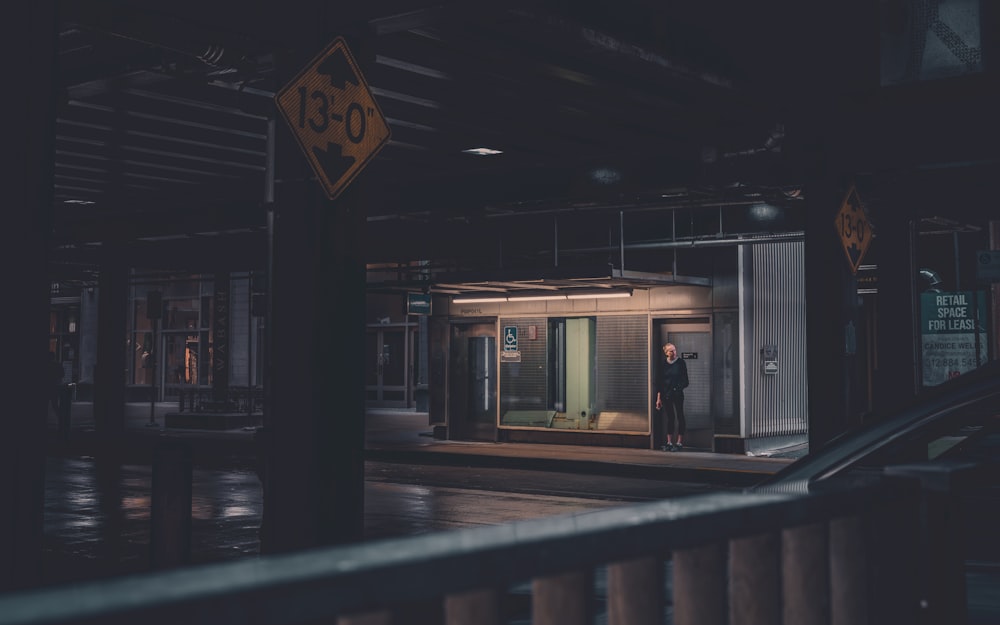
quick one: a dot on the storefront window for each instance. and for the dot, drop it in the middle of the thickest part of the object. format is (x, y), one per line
(577, 373)
(956, 300)
(64, 330)
(172, 348)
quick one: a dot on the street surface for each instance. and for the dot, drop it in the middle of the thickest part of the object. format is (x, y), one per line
(97, 514)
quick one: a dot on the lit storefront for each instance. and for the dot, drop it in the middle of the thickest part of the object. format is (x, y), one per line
(578, 366)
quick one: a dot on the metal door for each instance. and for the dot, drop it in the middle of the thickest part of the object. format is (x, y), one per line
(693, 339)
(472, 382)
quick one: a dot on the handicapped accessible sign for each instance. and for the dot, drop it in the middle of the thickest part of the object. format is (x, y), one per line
(510, 338)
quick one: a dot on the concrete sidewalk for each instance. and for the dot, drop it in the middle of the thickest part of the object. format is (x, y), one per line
(400, 436)
(404, 436)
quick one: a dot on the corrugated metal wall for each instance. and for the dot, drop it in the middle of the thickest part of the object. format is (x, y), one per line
(623, 363)
(523, 384)
(776, 404)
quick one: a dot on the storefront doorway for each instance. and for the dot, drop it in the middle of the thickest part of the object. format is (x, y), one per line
(472, 382)
(388, 366)
(693, 339)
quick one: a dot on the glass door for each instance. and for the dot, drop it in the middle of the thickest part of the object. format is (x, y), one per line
(388, 365)
(181, 367)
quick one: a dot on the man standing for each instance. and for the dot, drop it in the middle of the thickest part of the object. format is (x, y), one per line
(670, 395)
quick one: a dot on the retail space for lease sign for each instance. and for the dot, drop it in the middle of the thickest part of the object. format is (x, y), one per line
(954, 336)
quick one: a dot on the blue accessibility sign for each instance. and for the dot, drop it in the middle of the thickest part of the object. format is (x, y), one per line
(510, 338)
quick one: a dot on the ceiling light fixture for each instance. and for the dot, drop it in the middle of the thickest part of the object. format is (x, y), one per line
(605, 175)
(548, 297)
(605, 295)
(534, 298)
(478, 300)
(483, 151)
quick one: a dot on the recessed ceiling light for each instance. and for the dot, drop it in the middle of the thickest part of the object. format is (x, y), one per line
(762, 211)
(483, 151)
(605, 175)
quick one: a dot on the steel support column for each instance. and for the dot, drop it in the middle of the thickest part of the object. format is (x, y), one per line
(112, 320)
(314, 427)
(29, 44)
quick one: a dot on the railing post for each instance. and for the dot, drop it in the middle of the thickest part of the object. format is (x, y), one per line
(476, 606)
(893, 545)
(755, 580)
(805, 575)
(382, 617)
(942, 541)
(848, 572)
(562, 599)
(700, 586)
(635, 592)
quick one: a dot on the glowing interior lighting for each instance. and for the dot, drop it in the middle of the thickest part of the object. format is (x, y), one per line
(539, 298)
(478, 300)
(610, 295)
(534, 298)
(483, 151)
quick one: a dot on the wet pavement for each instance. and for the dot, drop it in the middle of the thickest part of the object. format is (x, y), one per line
(97, 511)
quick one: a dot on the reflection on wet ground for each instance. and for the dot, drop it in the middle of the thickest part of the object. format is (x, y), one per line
(97, 514)
(97, 517)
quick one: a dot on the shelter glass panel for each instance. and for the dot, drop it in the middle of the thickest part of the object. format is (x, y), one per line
(577, 373)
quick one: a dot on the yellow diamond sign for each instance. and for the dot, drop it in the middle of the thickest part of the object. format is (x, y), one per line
(853, 228)
(334, 117)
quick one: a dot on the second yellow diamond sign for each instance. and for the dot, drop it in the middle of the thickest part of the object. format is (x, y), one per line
(853, 228)
(334, 117)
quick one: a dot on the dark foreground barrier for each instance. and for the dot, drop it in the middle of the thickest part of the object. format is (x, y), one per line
(849, 554)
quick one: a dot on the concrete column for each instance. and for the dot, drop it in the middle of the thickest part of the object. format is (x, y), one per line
(477, 606)
(994, 290)
(700, 588)
(112, 320)
(314, 425)
(562, 599)
(848, 572)
(830, 290)
(755, 580)
(636, 592)
(897, 365)
(805, 575)
(29, 43)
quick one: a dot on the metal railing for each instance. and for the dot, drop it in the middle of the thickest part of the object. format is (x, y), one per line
(237, 399)
(848, 554)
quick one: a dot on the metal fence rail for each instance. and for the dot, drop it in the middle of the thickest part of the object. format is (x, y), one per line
(237, 399)
(766, 558)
